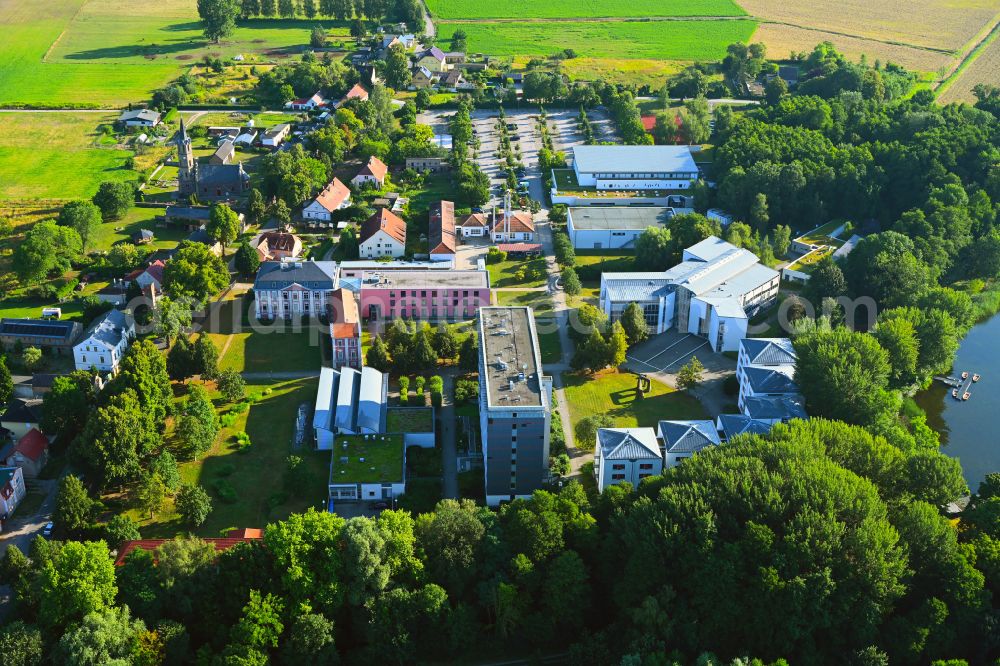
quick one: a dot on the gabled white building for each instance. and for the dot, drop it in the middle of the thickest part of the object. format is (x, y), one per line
(712, 293)
(626, 454)
(765, 367)
(335, 196)
(683, 439)
(105, 342)
(382, 235)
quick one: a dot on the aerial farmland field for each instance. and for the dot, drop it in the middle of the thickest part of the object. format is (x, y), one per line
(108, 53)
(935, 24)
(666, 40)
(57, 155)
(783, 40)
(529, 9)
(984, 69)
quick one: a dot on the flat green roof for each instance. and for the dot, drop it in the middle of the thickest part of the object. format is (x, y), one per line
(409, 419)
(378, 459)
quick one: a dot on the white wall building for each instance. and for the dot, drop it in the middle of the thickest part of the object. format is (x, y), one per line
(382, 235)
(334, 196)
(683, 439)
(349, 402)
(626, 454)
(604, 227)
(291, 287)
(712, 293)
(104, 342)
(765, 367)
(634, 167)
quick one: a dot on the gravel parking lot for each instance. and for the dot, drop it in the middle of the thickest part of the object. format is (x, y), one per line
(524, 135)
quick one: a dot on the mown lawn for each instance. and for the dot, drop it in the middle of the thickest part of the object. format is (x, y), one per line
(539, 301)
(665, 40)
(505, 273)
(164, 237)
(523, 9)
(262, 347)
(615, 394)
(56, 155)
(256, 475)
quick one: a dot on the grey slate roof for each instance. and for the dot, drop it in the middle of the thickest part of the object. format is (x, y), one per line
(628, 443)
(741, 424)
(140, 114)
(687, 436)
(769, 351)
(633, 159)
(221, 174)
(783, 408)
(769, 380)
(109, 328)
(20, 410)
(309, 274)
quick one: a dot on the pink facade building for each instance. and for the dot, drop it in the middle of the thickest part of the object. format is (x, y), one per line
(434, 295)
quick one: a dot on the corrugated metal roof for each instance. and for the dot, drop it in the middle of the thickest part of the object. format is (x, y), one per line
(687, 436)
(782, 408)
(769, 351)
(774, 379)
(628, 443)
(370, 400)
(344, 416)
(633, 159)
(741, 424)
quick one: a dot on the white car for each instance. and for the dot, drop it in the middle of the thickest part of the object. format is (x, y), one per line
(47, 530)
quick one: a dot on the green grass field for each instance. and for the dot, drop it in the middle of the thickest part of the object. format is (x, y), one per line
(107, 53)
(170, 31)
(56, 155)
(256, 474)
(525, 9)
(667, 40)
(615, 395)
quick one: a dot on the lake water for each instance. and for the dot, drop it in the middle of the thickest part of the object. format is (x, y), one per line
(970, 430)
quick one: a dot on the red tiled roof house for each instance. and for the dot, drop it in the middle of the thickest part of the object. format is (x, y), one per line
(372, 173)
(30, 453)
(382, 235)
(441, 231)
(334, 196)
(345, 329)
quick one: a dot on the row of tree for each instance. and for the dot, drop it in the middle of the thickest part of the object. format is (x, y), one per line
(831, 528)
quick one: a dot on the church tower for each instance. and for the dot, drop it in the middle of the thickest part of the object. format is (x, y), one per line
(187, 169)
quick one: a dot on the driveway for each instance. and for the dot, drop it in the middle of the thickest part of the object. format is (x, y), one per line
(22, 528)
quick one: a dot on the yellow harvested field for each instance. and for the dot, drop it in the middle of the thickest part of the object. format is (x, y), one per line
(984, 69)
(942, 24)
(782, 40)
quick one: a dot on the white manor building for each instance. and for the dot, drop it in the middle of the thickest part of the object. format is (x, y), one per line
(294, 287)
(712, 293)
(634, 167)
(105, 342)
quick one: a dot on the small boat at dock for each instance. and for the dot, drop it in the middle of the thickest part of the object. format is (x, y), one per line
(949, 381)
(954, 393)
(966, 395)
(975, 378)
(965, 375)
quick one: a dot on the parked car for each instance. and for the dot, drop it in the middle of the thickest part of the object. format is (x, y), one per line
(47, 530)
(381, 506)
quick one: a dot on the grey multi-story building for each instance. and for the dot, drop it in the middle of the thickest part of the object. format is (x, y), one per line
(514, 404)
